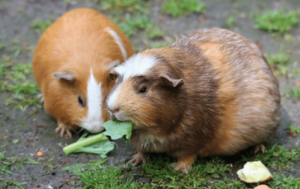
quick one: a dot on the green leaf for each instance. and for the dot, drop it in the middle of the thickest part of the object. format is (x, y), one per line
(83, 142)
(118, 129)
(99, 143)
(74, 167)
(101, 148)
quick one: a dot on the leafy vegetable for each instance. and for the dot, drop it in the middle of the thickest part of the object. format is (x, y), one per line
(85, 141)
(99, 144)
(117, 129)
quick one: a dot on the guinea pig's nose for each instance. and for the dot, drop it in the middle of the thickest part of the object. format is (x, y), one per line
(116, 110)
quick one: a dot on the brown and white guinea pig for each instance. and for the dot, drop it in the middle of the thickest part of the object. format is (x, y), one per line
(71, 63)
(210, 93)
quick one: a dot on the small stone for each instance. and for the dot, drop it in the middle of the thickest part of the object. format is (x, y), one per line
(262, 187)
(40, 154)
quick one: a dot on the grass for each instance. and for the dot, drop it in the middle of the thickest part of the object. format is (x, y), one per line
(47, 162)
(276, 20)
(15, 80)
(210, 172)
(16, 48)
(156, 44)
(40, 26)
(284, 182)
(230, 21)
(130, 24)
(1, 47)
(279, 58)
(279, 62)
(94, 175)
(133, 17)
(133, 21)
(125, 5)
(157, 169)
(276, 157)
(203, 171)
(8, 166)
(293, 129)
(178, 8)
(288, 38)
(294, 93)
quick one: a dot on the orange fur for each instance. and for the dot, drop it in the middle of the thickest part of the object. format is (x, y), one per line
(227, 93)
(75, 43)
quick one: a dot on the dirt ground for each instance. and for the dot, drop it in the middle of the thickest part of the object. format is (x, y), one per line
(15, 19)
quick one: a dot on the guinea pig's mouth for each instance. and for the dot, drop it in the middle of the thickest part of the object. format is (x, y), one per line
(118, 118)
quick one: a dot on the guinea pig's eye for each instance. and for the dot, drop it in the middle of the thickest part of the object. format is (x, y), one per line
(80, 101)
(143, 90)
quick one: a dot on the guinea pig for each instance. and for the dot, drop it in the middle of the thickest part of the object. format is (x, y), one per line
(209, 93)
(71, 63)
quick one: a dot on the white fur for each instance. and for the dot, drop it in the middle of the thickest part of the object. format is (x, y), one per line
(134, 66)
(93, 122)
(118, 40)
(112, 98)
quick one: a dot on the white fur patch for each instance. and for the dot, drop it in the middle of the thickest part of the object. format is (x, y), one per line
(134, 66)
(112, 98)
(93, 122)
(118, 40)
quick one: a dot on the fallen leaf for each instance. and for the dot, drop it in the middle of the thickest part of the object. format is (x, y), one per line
(292, 134)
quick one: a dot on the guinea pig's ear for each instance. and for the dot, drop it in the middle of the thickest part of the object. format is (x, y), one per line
(64, 75)
(171, 81)
(113, 74)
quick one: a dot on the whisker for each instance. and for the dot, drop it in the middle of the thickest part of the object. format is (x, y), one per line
(148, 105)
(82, 129)
(141, 114)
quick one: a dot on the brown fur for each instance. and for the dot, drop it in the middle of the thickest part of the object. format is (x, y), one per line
(229, 100)
(75, 43)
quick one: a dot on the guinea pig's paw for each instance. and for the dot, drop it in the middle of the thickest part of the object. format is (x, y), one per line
(181, 166)
(138, 159)
(259, 147)
(184, 163)
(63, 130)
(41, 97)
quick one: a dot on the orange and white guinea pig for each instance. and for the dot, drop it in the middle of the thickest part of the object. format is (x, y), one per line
(210, 93)
(71, 63)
